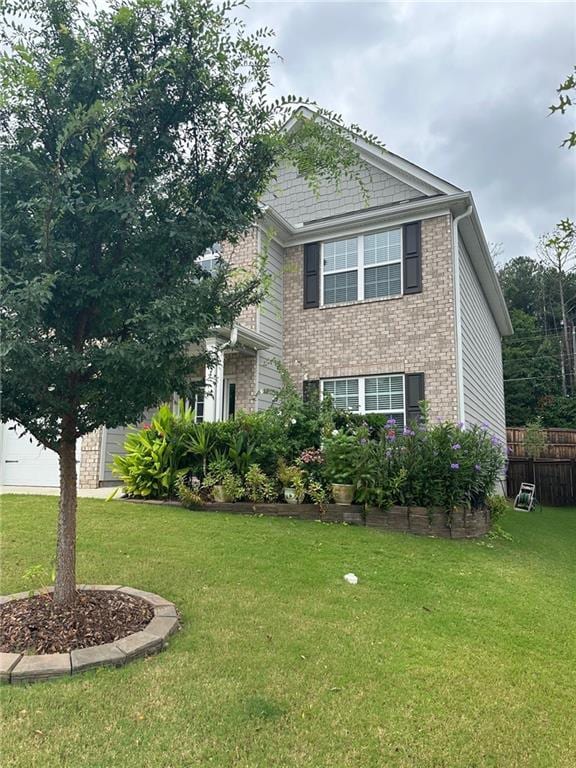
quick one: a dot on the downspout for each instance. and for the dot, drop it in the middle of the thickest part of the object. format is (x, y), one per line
(457, 312)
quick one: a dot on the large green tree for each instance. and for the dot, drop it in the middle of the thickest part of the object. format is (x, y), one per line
(133, 137)
(538, 358)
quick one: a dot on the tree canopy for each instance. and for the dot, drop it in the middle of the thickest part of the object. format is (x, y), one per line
(134, 137)
(538, 365)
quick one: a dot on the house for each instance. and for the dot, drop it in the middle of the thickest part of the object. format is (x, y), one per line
(382, 297)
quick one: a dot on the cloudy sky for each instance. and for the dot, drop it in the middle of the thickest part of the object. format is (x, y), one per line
(459, 88)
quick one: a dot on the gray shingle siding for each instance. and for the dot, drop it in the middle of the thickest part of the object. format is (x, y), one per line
(112, 444)
(481, 354)
(293, 199)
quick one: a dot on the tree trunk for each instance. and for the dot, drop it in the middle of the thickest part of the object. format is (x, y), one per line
(565, 330)
(65, 586)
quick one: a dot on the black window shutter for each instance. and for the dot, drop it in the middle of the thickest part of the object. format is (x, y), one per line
(311, 275)
(412, 258)
(310, 389)
(414, 387)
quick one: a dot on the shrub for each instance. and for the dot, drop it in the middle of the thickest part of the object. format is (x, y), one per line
(155, 455)
(535, 439)
(188, 491)
(498, 507)
(440, 465)
(218, 470)
(318, 493)
(259, 488)
(202, 442)
(232, 486)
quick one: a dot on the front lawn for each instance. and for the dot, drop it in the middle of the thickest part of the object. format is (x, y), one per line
(447, 654)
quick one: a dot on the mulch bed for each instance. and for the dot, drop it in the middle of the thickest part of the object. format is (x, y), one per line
(36, 625)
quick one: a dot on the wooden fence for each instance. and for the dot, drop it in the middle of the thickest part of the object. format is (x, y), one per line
(560, 443)
(555, 479)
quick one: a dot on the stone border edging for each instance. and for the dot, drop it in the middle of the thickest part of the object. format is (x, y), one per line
(20, 668)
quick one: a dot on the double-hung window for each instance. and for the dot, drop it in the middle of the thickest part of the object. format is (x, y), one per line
(364, 267)
(369, 394)
(340, 261)
(210, 259)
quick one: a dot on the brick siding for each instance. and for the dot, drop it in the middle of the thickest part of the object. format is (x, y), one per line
(245, 255)
(411, 334)
(89, 475)
(243, 368)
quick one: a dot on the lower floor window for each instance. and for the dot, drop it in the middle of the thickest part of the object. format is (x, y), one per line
(369, 394)
(199, 407)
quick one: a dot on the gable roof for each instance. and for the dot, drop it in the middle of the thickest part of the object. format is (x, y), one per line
(436, 196)
(380, 157)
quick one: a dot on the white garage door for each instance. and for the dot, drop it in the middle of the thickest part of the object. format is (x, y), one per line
(24, 462)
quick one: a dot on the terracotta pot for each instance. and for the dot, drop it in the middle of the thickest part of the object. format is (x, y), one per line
(343, 494)
(291, 496)
(220, 495)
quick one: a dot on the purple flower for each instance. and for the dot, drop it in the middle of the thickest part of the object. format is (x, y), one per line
(495, 440)
(456, 447)
(477, 467)
(408, 432)
(454, 466)
(391, 421)
(461, 425)
(485, 425)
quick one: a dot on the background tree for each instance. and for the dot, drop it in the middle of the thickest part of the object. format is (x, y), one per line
(133, 138)
(566, 91)
(558, 252)
(533, 357)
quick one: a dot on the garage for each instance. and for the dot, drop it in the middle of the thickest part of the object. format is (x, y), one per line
(23, 461)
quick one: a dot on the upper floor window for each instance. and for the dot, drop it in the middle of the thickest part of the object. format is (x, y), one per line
(364, 267)
(210, 258)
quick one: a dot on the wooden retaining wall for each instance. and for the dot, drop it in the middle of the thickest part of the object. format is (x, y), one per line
(463, 524)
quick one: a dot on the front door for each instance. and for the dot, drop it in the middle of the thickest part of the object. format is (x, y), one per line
(229, 409)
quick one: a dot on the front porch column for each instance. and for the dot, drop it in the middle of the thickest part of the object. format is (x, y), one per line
(214, 376)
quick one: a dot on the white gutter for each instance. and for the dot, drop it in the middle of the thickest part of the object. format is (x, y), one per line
(457, 313)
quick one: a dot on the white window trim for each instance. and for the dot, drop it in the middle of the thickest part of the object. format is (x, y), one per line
(189, 404)
(361, 267)
(362, 393)
(210, 254)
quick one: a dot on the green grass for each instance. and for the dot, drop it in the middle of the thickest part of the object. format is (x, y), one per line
(446, 654)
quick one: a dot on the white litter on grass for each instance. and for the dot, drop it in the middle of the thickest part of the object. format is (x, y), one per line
(351, 578)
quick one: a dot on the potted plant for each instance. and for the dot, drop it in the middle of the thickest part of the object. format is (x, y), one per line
(231, 488)
(341, 457)
(292, 481)
(225, 486)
